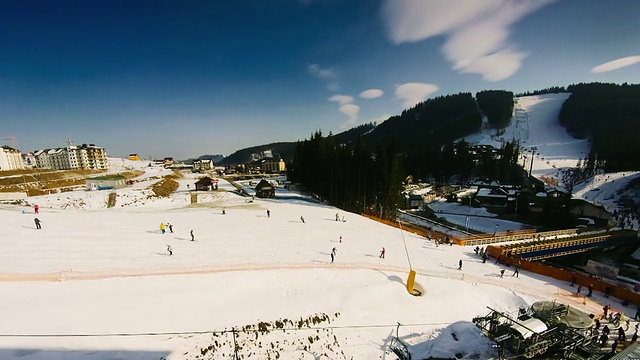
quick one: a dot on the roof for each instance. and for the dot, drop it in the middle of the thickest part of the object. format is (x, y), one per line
(529, 327)
(205, 180)
(264, 183)
(631, 352)
(108, 177)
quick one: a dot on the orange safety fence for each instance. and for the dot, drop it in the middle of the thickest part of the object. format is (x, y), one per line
(616, 291)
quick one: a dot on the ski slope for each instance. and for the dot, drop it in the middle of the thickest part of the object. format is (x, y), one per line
(98, 283)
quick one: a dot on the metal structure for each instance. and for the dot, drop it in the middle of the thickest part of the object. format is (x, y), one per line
(399, 347)
(547, 329)
(553, 247)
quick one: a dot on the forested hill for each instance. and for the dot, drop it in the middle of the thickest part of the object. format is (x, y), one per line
(429, 123)
(609, 115)
(286, 149)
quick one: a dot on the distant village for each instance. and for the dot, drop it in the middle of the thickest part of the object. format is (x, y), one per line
(92, 157)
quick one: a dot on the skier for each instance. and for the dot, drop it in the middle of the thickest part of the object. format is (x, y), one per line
(501, 273)
(169, 250)
(37, 221)
(162, 228)
(36, 208)
(516, 273)
(334, 251)
(382, 253)
(268, 213)
(460, 264)
(223, 211)
(302, 218)
(332, 256)
(170, 228)
(192, 238)
(337, 217)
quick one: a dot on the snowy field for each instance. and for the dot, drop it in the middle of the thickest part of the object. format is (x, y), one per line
(98, 283)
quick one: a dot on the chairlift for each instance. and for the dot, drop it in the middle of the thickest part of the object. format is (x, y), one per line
(399, 347)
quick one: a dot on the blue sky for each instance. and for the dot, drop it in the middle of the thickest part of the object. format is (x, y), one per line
(187, 78)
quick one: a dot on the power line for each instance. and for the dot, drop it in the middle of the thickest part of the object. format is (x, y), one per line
(234, 330)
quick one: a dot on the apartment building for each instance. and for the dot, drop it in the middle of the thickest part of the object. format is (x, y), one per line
(10, 158)
(73, 157)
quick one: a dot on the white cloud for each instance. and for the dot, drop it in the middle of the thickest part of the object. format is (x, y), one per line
(341, 99)
(413, 93)
(477, 32)
(616, 64)
(351, 110)
(320, 72)
(371, 93)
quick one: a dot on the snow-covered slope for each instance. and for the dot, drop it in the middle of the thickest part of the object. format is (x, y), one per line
(535, 124)
(98, 283)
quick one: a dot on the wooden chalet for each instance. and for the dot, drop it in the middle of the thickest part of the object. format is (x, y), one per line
(264, 189)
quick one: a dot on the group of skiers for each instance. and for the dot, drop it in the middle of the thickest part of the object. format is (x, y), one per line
(169, 226)
(614, 320)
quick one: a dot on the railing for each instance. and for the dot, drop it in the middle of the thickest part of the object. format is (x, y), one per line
(518, 237)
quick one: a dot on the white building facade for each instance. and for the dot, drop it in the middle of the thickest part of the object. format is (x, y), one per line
(10, 158)
(86, 157)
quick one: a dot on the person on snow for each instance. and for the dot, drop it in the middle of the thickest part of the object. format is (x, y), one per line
(334, 250)
(192, 238)
(382, 253)
(170, 228)
(302, 218)
(223, 211)
(268, 213)
(501, 273)
(37, 221)
(337, 217)
(332, 255)
(340, 238)
(590, 290)
(36, 208)
(460, 264)
(516, 273)
(162, 228)
(169, 250)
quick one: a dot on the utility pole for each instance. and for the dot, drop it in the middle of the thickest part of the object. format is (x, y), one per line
(533, 153)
